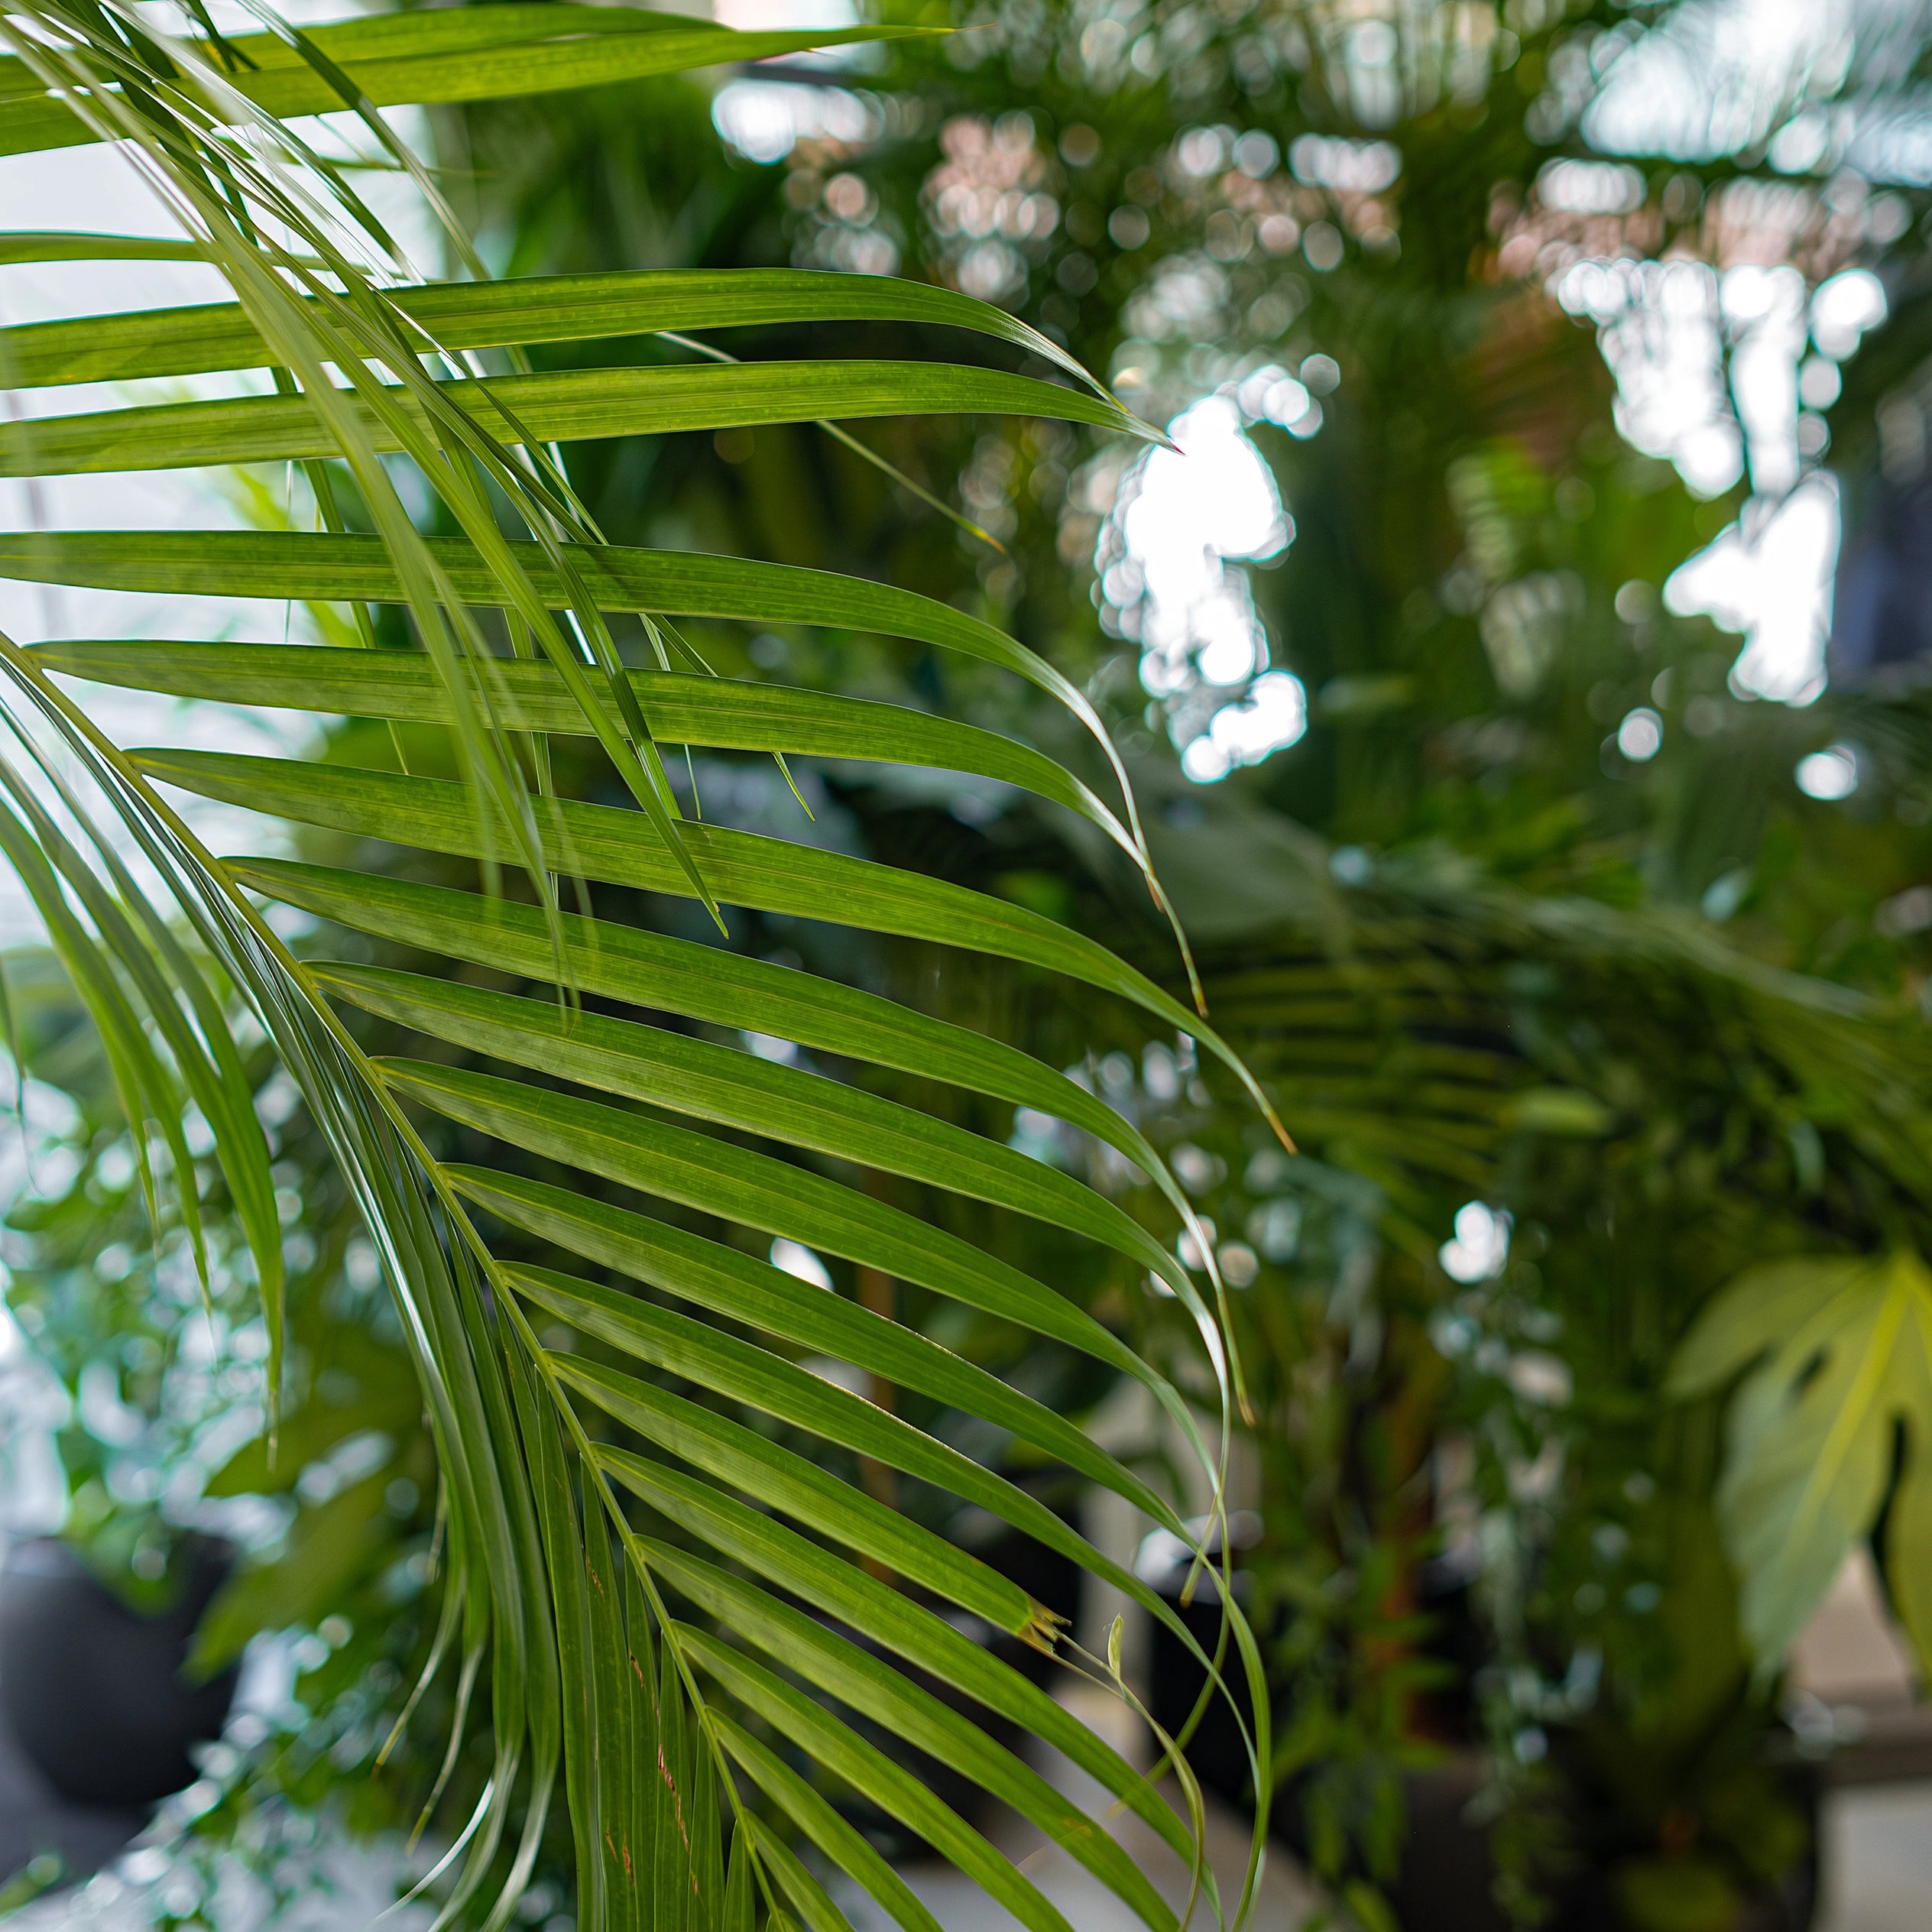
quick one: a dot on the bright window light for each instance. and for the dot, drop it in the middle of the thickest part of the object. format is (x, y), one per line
(764, 120)
(1480, 1246)
(1182, 517)
(1771, 581)
(1831, 774)
(1363, 167)
(1168, 556)
(1843, 308)
(1591, 187)
(799, 1261)
(1641, 735)
(1274, 713)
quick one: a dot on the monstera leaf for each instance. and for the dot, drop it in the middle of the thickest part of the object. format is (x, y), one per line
(698, 1684)
(1839, 1355)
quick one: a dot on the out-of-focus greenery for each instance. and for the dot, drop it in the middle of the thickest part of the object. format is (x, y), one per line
(1504, 1454)
(164, 1435)
(335, 1541)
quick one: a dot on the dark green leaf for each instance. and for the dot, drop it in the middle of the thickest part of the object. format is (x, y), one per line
(799, 1718)
(754, 1191)
(743, 1289)
(603, 842)
(732, 1453)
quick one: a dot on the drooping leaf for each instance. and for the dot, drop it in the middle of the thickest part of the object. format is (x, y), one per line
(822, 1826)
(734, 1089)
(316, 569)
(914, 1717)
(732, 1455)
(743, 1289)
(887, 1617)
(667, 975)
(868, 1771)
(742, 868)
(755, 1191)
(729, 715)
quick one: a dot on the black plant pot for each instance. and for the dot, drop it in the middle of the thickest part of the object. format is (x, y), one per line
(92, 1690)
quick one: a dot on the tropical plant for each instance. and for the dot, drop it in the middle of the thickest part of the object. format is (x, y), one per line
(700, 1683)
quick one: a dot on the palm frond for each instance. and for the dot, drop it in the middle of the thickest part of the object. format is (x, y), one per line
(645, 1670)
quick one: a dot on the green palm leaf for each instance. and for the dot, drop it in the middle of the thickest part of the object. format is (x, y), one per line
(484, 315)
(682, 709)
(601, 842)
(424, 58)
(603, 1689)
(673, 584)
(734, 1089)
(562, 407)
(733, 1285)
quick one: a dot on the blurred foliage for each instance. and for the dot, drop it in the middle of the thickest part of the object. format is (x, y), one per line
(1488, 1508)
(334, 1540)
